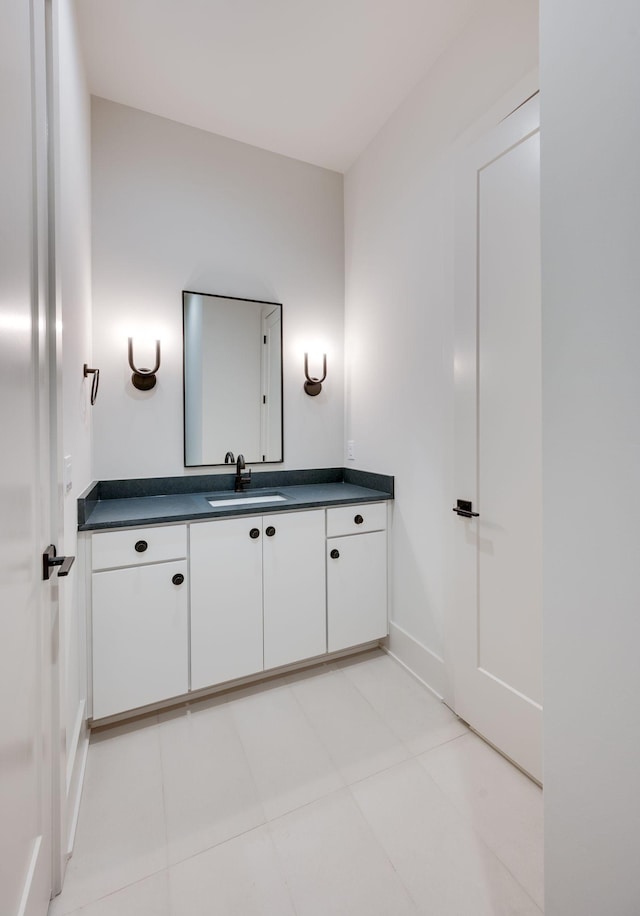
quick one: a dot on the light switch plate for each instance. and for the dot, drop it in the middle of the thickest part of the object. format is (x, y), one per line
(68, 479)
(351, 450)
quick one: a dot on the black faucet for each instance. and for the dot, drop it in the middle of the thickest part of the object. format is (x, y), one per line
(242, 480)
(229, 459)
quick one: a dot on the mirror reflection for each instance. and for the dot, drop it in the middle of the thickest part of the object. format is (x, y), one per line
(232, 379)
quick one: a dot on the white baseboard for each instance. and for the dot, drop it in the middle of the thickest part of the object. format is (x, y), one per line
(72, 753)
(424, 664)
(27, 904)
(76, 766)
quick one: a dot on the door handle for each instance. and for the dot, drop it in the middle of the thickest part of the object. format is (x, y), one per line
(50, 561)
(464, 507)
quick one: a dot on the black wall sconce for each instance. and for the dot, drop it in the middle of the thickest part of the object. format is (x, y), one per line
(144, 379)
(313, 386)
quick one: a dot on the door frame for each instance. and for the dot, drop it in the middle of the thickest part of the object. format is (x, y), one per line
(50, 415)
(40, 880)
(54, 453)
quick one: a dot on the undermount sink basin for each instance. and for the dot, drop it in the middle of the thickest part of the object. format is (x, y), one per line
(223, 500)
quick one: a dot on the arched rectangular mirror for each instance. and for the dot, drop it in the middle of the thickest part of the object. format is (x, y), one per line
(232, 379)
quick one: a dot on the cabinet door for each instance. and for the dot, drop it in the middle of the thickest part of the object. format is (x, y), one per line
(226, 600)
(356, 589)
(295, 625)
(139, 636)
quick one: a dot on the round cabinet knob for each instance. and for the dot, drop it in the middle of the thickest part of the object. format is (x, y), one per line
(178, 579)
(270, 531)
(334, 554)
(358, 519)
(141, 546)
(254, 533)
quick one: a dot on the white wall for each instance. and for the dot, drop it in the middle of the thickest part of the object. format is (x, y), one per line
(178, 208)
(73, 287)
(590, 87)
(399, 303)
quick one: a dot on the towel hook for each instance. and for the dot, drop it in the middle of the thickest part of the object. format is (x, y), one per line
(94, 382)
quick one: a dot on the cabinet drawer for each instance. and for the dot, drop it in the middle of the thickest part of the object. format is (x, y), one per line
(356, 519)
(118, 548)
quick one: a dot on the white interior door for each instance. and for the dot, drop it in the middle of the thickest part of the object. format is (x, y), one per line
(27, 604)
(497, 650)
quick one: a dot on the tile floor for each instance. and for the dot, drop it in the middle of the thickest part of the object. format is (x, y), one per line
(345, 789)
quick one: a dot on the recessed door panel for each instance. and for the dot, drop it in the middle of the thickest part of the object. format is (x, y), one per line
(510, 420)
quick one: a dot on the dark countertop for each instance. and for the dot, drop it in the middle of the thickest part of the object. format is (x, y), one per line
(126, 504)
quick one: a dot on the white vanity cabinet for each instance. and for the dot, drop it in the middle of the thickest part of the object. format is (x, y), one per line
(356, 575)
(139, 619)
(257, 594)
(184, 607)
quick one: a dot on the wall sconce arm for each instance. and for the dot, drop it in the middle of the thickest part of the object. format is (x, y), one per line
(313, 386)
(143, 379)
